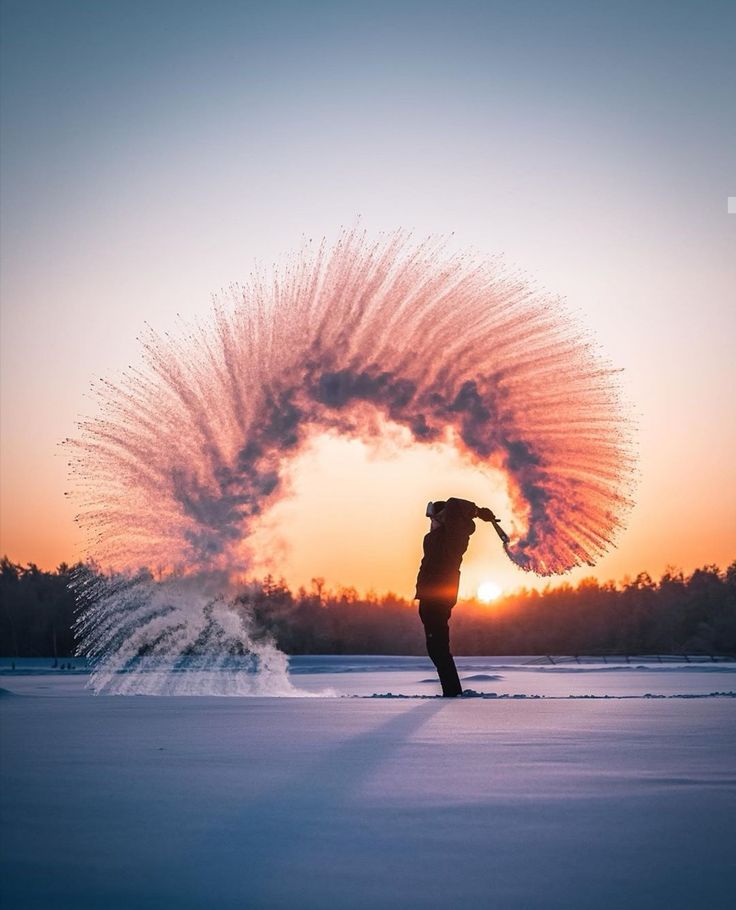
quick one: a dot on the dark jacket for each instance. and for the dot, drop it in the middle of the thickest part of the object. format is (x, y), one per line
(439, 573)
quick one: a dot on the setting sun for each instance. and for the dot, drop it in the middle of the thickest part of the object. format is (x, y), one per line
(488, 591)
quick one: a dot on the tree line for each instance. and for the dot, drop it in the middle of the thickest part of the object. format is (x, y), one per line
(676, 614)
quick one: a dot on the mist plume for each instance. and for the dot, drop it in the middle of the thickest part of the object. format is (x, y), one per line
(189, 449)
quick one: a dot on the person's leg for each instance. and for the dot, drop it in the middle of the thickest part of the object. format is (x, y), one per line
(437, 633)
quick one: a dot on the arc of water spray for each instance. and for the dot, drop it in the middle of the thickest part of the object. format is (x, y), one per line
(186, 452)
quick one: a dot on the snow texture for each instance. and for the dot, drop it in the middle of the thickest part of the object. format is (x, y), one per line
(334, 802)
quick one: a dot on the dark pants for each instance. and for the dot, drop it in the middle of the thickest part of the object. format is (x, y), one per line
(435, 617)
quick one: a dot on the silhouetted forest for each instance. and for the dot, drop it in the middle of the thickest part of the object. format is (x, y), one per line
(678, 614)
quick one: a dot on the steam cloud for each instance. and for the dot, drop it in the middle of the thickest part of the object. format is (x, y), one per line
(189, 450)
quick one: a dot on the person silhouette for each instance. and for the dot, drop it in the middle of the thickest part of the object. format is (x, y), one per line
(439, 578)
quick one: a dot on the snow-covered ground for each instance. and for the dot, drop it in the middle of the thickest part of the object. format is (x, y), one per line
(352, 802)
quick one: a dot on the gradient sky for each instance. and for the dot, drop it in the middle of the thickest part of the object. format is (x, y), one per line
(152, 151)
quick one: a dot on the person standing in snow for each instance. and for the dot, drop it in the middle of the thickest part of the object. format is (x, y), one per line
(439, 578)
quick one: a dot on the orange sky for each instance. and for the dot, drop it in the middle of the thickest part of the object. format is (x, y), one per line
(356, 517)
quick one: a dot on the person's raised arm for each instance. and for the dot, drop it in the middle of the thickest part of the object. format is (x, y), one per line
(460, 509)
(486, 515)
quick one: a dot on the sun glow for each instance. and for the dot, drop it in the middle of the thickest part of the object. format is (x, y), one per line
(488, 591)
